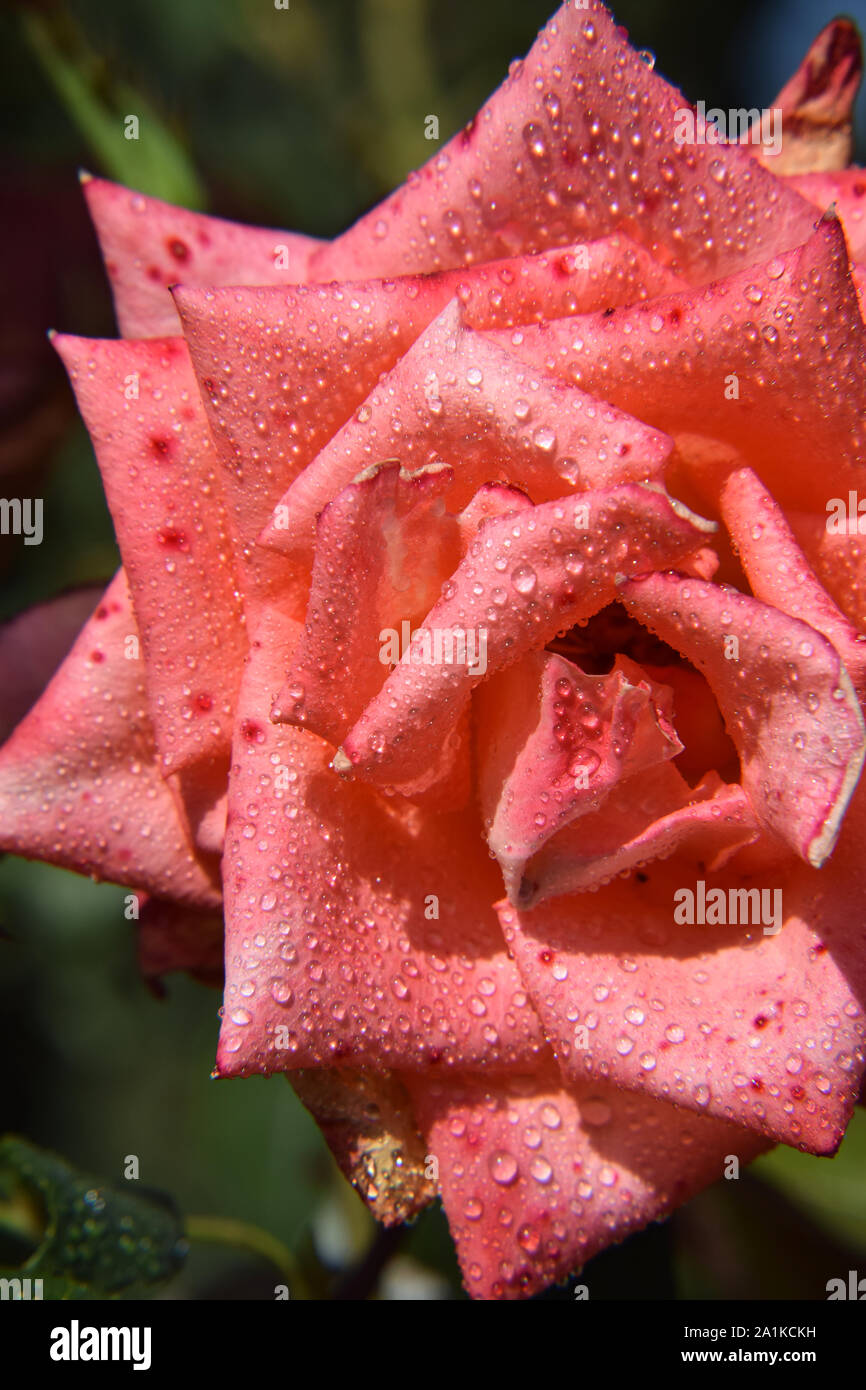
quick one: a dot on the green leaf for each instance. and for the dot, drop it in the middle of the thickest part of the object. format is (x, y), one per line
(97, 1241)
(102, 105)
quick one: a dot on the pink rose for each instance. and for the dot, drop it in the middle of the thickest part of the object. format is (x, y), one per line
(483, 650)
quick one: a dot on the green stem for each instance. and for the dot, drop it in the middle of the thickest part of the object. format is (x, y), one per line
(223, 1230)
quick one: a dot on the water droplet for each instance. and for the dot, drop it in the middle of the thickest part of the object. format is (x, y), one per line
(544, 438)
(503, 1167)
(541, 1170)
(524, 579)
(535, 141)
(528, 1239)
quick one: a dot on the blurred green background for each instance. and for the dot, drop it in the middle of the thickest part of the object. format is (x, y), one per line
(301, 119)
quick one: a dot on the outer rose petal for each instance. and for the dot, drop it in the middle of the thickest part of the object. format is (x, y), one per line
(524, 579)
(33, 644)
(816, 105)
(161, 479)
(366, 1119)
(751, 350)
(384, 548)
(172, 936)
(365, 928)
(777, 570)
(786, 699)
(764, 1030)
(148, 245)
(458, 397)
(537, 1177)
(79, 783)
(538, 167)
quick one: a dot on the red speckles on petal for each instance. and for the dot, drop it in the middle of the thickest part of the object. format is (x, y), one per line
(133, 228)
(173, 539)
(172, 530)
(640, 1001)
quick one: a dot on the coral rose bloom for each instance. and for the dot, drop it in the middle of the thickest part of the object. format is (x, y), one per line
(483, 656)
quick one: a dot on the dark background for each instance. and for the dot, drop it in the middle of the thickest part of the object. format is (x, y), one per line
(300, 119)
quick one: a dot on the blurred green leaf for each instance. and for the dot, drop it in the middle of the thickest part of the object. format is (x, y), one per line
(98, 1240)
(101, 105)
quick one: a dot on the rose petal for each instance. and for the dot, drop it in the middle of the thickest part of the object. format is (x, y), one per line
(537, 1177)
(359, 949)
(367, 1121)
(751, 349)
(32, 646)
(161, 479)
(79, 781)
(314, 352)
(786, 698)
(816, 104)
(699, 725)
(647, 817)
(174, 937)
(149, 245)
(762, 1029)
(845, 191)
(579, 141)
(383, 549)
(838, 556)
(456, 396)
(552, 744)
(524, 580)
(491, 499)
(778, 572)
